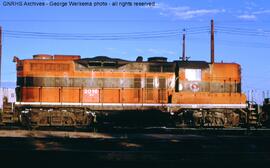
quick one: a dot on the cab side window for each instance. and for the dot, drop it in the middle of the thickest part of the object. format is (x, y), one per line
(193, 74)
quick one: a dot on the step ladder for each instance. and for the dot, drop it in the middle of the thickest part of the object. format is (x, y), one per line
(8, 115)
(253, 114)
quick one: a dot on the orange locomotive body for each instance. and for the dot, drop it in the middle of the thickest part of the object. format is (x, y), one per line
(68, 90)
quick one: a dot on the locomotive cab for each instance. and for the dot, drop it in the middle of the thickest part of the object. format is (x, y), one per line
(212, 92)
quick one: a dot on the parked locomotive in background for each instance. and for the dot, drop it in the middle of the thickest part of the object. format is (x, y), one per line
(65, 90)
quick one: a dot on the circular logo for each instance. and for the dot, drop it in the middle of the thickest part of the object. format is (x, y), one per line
(194, 87)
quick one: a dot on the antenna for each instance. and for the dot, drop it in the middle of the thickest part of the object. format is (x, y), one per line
(212, 42)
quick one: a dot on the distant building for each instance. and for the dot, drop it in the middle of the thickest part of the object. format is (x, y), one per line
(9, 93)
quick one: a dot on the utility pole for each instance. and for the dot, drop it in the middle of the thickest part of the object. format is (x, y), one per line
(212, 42)
(0, 56)
(184, 46)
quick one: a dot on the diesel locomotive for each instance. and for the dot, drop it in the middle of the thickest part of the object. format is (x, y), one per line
(66, 90)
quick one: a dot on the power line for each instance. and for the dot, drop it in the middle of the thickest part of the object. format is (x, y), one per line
(243, 31)
(242, 34)
(99, 20)
(218, 22)
(158, 34)
(103, 36)
(229, 43)
(87, 34)
(191, 29)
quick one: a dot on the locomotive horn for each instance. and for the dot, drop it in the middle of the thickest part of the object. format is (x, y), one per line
(15, 59)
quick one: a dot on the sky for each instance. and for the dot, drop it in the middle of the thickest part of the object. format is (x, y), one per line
(242, 32)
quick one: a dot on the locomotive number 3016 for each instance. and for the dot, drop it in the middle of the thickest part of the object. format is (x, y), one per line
(90, 92)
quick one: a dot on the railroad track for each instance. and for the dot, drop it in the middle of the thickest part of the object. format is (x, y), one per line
(119, 149)
(149, 130)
